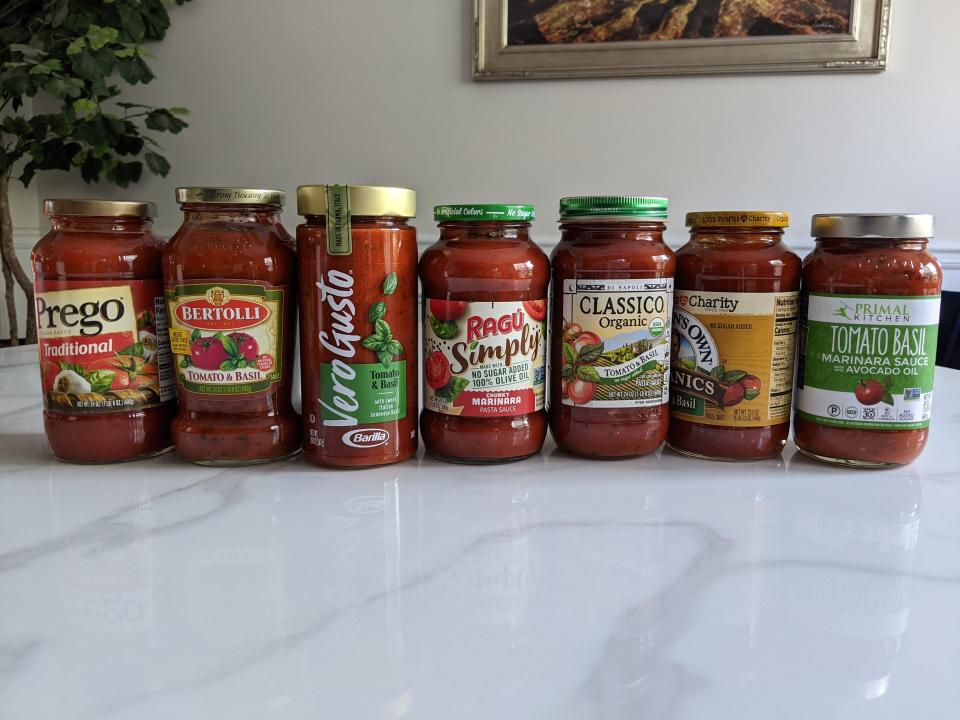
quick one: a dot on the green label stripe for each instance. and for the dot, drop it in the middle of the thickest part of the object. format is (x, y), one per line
(198, 290)
(378, 392)
(339, 237)
(227, 389)
(863, 424)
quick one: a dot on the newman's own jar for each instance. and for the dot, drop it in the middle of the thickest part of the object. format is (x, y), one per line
(230, 278)
(612, 295)
(735, 328)
(108, 387)
(358, 324)
(869, 316)
(484, 335)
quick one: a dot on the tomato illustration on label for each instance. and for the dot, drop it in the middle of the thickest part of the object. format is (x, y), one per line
(536, 309)
(226, 336)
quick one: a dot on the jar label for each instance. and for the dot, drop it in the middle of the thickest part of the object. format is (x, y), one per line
(616, 342)
(733, 356)
(226, 336)
(867, 361)
(103, 345)
(483, 358)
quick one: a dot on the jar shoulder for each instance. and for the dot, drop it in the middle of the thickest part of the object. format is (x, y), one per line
(614, 255)
(62, 253)
(257, 252)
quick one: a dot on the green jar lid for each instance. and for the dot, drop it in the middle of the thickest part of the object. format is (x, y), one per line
(627, 206)
(484, 213)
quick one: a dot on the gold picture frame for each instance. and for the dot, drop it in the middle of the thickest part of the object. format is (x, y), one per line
(860, 47)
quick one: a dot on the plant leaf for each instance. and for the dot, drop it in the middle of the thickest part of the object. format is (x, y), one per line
(569, 354)
(136, 349)
(451, 391)
(751, 394)
(733, 376)
(229, 346)
(101, 380)
(385, 357)
(372, 342)
(390, 284)
(157, 163)
(396, 348)
(590, 353)
(377, 311)
(718, 373)
(887, 398)
(444, 329)
(195, 335)
(382, 329)
(101, 36)
(588, 373)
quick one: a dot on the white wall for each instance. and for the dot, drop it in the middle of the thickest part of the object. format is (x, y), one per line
(378, 91)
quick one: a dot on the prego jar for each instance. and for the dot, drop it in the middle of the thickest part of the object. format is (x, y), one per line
(868, 340)
(484, 335)
(612, 296)
(231, 289)
(106, 376)
(734, 336)
(358, 324)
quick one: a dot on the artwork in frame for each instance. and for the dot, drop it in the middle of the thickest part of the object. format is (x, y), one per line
(529, 39)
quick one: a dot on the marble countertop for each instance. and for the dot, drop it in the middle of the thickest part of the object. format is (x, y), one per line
(555, 588)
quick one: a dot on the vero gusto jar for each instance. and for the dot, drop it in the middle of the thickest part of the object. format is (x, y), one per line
(231, 289)
(358, 324)
(610, 342)
(868, 340)
(108, 386)
(734, 337)
(484, 335)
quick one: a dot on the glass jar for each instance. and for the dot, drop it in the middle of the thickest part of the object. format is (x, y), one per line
(231, 288)
(484, 335)
(358, 324)
(868, 340)
(612, 296)
(734, 336)
(108, 388)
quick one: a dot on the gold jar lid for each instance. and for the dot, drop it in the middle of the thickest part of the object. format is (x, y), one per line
(369, 200)
(230, 196)
(739, 218)
(99, 208)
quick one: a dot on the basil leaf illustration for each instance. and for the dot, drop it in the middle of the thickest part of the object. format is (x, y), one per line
(386, 357)
(718, 373)
(473, 344)
(383, 330)
(195, 335)
(372, 342)
(78, 369)
(444, 329)
(390, 284)
(588, 373)
(451, 391)
(590, 353)
(185, 362)
(100, 380)
(887, 398)
(135, 349)
(229, 346)
(569, 354)
(568, 373)
(395, 347)
(377, 311)
(733, 376)
(751, 394)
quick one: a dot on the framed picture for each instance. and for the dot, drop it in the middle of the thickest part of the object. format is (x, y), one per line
(529, 39)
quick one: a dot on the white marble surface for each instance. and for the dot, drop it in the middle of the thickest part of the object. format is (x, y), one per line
(554, 588)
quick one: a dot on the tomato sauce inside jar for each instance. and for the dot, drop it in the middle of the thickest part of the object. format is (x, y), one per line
(108, 388)
(231, 288)
(869, 318)
(612, 297)
(484, 335)
(358, 324)
(734, 337)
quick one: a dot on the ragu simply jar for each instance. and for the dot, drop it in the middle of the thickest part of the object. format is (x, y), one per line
(484, 335)
(231, 287)
(108, 387)
(358, 324)
(612, 297)
(869, 316)
(734, 337)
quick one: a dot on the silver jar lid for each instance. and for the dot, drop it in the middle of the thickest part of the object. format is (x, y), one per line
(872, 225)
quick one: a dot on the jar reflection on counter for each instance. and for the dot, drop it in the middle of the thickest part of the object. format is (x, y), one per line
(612, 297)
(735, 324)
(484, 335)
(870, 313)
(231, 286)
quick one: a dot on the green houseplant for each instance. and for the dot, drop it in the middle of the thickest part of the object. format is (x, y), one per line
(75, 57)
